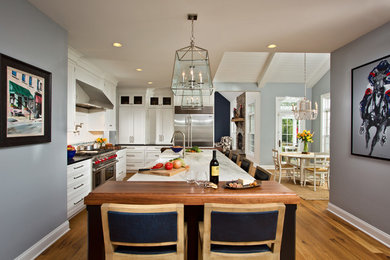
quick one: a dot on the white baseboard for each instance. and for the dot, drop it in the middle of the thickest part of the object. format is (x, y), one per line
(45, 242)
(367, 228)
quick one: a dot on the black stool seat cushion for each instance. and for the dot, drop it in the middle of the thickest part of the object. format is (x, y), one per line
(239, 249)
(146, 250)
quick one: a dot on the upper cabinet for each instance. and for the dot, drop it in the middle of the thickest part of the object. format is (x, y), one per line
(136, 100)
(79, 69)
(160, 101)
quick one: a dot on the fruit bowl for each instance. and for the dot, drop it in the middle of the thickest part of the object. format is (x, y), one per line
(71, 154)
(176, 149)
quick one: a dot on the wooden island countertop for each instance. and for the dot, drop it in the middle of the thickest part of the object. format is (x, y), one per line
(188, 194)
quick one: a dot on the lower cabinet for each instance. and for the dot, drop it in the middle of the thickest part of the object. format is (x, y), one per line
(79, 183)
(121, 165)
(138, 157)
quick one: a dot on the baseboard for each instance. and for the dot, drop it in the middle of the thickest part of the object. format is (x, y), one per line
(44, 243)
(367, 228)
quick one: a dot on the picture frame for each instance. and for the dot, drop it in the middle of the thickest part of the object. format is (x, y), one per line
(370, 109)
(25, 108)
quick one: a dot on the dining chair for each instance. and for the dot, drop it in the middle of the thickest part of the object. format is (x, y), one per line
(242, 231)
(246, 165)
(227, 153)
(235, 157)
(282, 168)
(262, 174)
(320, 167)
(143, 231)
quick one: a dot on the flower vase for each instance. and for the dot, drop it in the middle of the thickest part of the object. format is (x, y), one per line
(305, 148)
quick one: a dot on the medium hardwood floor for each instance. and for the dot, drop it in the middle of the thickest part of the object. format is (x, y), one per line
(320, 235)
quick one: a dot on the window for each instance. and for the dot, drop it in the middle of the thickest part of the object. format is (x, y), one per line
(325, 122)
(251, 128)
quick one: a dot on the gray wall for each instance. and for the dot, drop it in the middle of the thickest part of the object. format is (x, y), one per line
(33, 177)
(267, 114)
(358, 185)
(322, 87)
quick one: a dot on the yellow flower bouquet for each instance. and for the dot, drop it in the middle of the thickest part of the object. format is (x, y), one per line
(101, 141)
(305, 137)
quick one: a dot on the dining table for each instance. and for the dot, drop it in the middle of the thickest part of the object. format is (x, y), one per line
(152, 189)
(302, 160)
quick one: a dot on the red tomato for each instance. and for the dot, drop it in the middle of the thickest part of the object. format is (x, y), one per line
(168, 166)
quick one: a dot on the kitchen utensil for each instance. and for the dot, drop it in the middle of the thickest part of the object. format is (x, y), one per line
(89, 147)
(163, 172)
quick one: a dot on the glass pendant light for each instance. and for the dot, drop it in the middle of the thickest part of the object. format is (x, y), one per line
(303, 110)
(191, 73)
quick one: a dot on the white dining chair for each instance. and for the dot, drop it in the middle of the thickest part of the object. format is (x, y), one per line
(319, 168)
(283, 168)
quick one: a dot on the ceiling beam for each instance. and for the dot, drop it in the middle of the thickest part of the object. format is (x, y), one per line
(260, 79)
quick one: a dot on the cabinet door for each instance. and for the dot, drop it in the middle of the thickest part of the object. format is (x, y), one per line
(125, 125)
(71, 96)
(110, 120)
(167, 125)
(138, 126)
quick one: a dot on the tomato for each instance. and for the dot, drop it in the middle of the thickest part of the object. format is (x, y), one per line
(177, 164)
(158, 166)
(168, 166)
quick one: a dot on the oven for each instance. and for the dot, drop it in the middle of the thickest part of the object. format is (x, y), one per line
(103, 169)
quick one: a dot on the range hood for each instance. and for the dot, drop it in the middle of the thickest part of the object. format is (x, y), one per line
(90, 97)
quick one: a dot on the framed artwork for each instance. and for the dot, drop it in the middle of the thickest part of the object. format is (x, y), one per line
(25, 107)
(371, 109)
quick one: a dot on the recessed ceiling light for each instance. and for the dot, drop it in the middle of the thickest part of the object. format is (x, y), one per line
(150, 83)
(117, 44)
(271, 46)
(138, 69)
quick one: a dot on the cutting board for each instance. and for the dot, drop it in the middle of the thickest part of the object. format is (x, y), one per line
(164, 172)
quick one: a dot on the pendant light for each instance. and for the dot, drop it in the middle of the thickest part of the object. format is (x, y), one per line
(303, 110)
(191, 73)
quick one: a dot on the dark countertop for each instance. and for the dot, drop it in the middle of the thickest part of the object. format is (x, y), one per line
(145, 145)
(78, 158)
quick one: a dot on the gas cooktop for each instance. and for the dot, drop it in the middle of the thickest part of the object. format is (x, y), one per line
(94, 152)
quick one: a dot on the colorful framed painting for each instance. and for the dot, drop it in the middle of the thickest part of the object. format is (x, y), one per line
(25, 110)
(371, 109)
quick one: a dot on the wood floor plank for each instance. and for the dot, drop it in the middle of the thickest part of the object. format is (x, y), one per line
(320, 235)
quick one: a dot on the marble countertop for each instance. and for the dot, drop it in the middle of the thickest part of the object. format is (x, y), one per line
(199, 165)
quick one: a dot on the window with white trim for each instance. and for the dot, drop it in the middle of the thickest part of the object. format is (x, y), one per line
(251, 128)
(325, 122)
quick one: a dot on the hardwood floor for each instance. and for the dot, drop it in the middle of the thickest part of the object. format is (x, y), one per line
(320, 235)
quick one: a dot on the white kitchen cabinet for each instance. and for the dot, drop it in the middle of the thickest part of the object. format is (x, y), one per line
(121, 165)
(110, 114)
(131, 125)
(134, 100)
(152, 153)
(79, 184)
(164, 125)
(135, 157)
(160, 101)
(71, 108)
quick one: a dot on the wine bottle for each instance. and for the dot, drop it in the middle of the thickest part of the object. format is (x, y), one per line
(214, 169)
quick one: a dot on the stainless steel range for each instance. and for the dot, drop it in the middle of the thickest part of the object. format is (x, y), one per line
(103, 166)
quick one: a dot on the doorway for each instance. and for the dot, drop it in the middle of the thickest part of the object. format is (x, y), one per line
(287, 127)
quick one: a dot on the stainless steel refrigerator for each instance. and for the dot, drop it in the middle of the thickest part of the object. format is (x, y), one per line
(197, 125)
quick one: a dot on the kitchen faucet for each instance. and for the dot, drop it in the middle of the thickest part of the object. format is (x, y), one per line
(184, 140)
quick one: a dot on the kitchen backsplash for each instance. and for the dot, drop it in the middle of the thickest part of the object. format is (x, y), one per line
(84, 135)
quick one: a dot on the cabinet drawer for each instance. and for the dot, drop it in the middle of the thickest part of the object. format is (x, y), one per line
(152, 156)
(135, 156)
(120, 174)
(135, 148)
(76, 201)
(134, 166)
(80, 177)
(76, 168)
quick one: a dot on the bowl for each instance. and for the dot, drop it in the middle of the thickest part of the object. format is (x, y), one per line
(176, 149)
(71, 154)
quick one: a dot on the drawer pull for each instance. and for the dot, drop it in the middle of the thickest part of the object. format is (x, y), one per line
(81, 175)
(130, 155)
(75, 203)
(81, 185)
(81, 166)
(120, 157)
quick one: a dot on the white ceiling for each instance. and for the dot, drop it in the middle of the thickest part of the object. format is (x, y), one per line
(151, 31)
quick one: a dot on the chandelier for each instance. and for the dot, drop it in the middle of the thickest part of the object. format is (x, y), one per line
(303, 110)
(191, 73)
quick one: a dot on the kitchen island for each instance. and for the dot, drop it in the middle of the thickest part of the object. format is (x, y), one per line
(193, 197)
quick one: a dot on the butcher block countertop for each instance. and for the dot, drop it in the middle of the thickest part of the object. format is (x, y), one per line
(188, 194)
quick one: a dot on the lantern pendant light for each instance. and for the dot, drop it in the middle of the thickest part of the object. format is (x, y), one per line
(303, 110)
